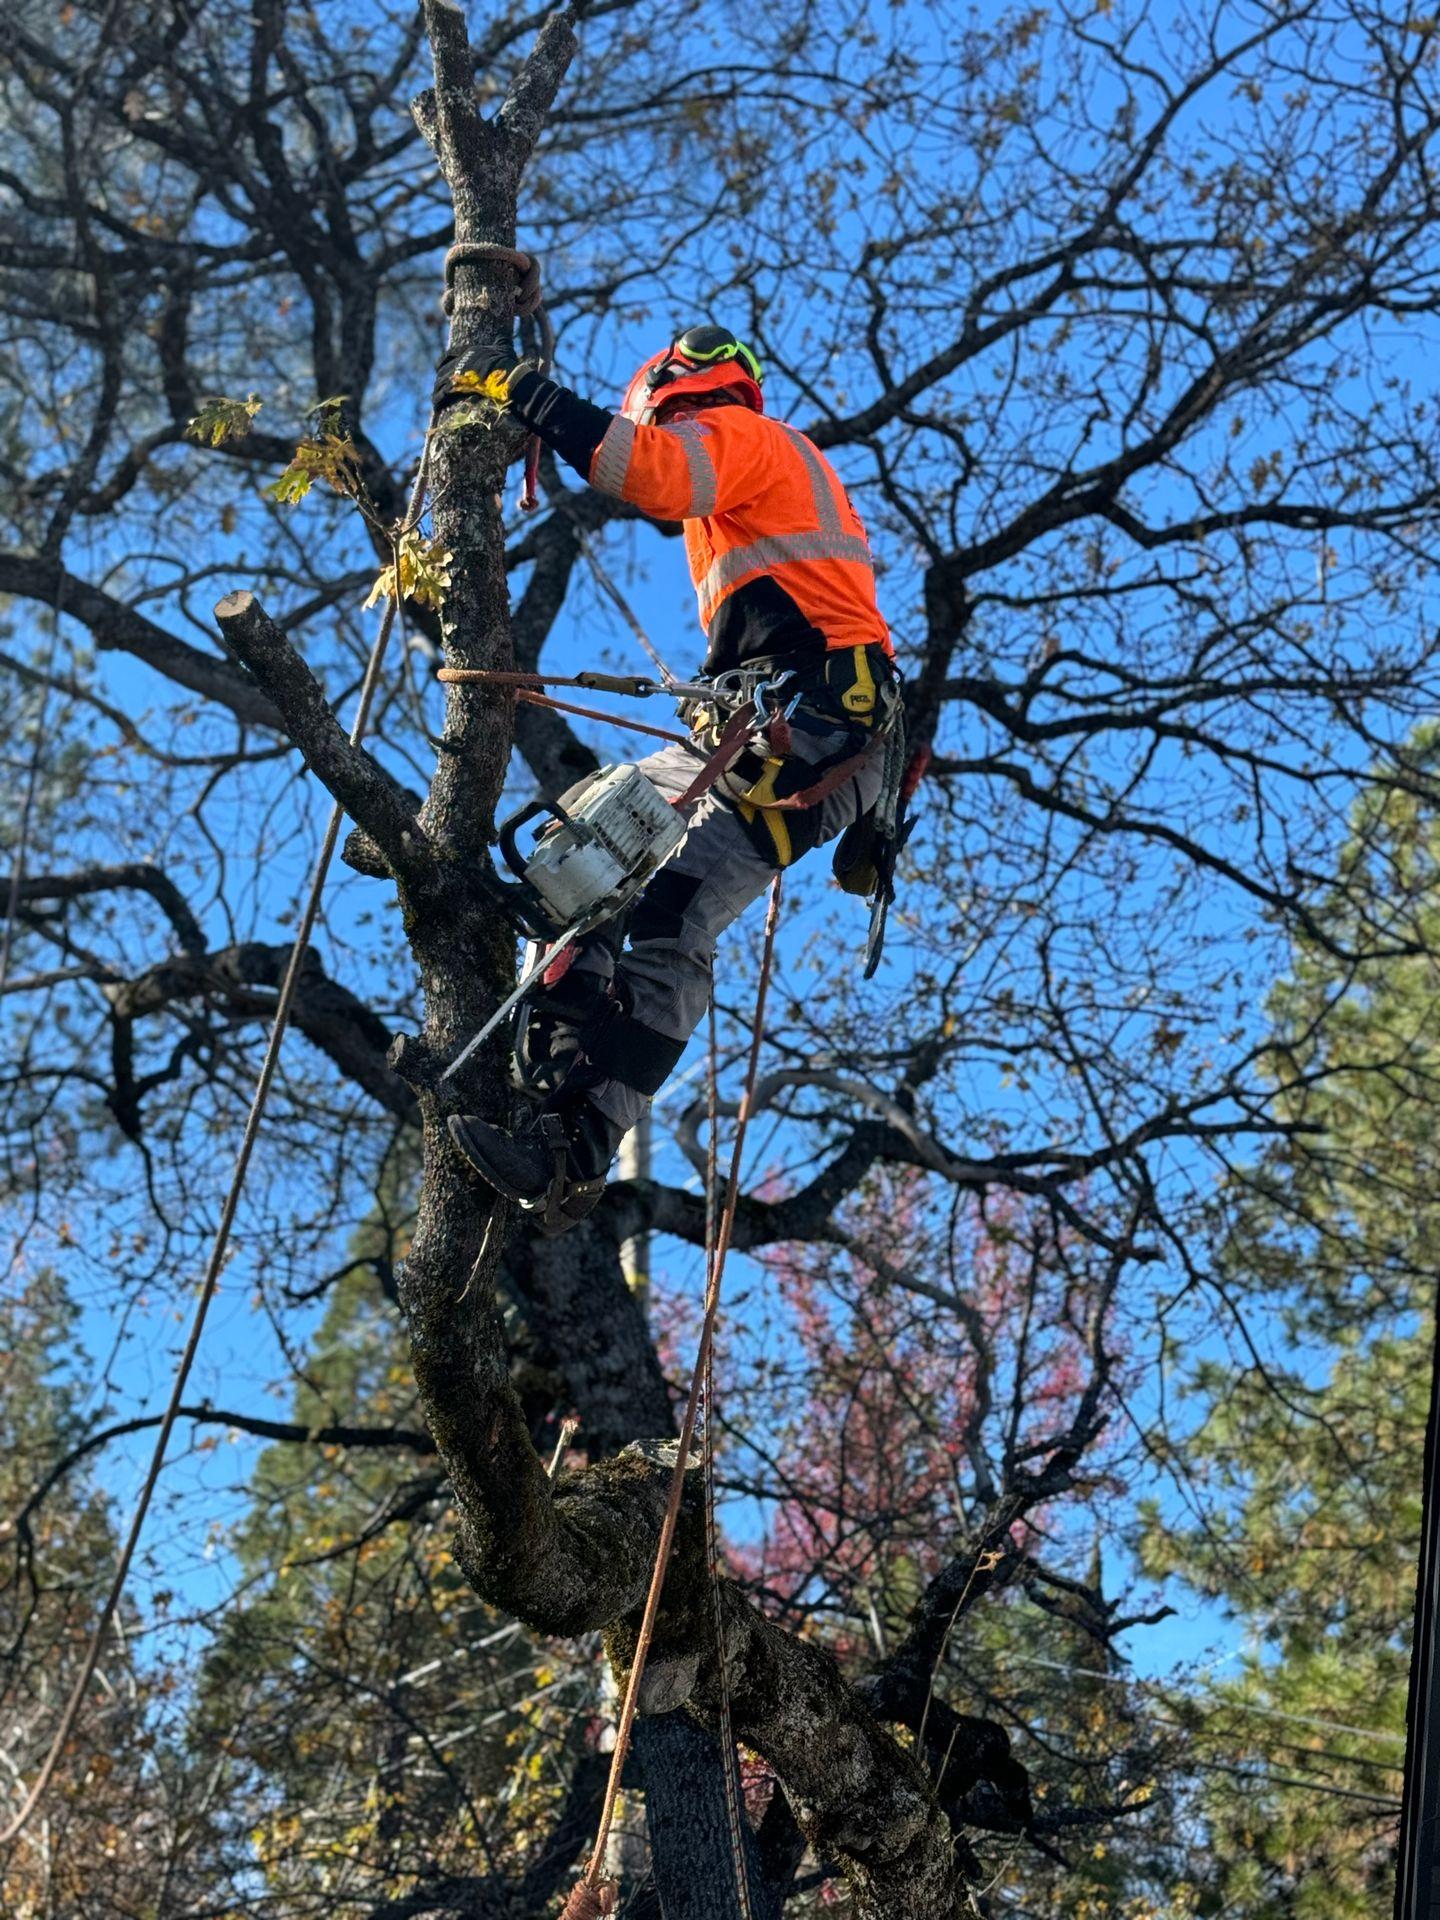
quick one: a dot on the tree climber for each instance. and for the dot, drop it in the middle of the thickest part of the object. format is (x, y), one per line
(781, 565)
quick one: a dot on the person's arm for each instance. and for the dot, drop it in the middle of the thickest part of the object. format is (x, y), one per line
(572, 426)
(682, 471)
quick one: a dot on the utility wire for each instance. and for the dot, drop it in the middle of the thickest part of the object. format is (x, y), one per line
(1225, 1706)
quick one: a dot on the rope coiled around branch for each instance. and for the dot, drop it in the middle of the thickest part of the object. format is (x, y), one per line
(480, 253)
(529, 304)
(590, 1903)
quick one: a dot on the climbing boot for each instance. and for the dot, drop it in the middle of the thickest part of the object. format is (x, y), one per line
(519, 1165)
(554, 1165)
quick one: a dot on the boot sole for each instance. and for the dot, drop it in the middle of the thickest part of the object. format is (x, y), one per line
(473, 1151)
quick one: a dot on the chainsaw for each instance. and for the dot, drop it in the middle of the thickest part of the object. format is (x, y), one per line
(591, 859)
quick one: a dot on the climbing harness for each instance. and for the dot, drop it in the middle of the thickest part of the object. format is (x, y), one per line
(593, 1887)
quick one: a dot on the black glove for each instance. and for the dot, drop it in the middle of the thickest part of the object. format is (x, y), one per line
(480, 361)
(562, 419)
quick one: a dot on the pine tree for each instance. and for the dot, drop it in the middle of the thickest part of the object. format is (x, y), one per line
(117, 1829)
(1316, 1463)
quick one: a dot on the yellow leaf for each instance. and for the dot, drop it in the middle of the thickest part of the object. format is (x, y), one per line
(424, 573)
(219, 419)
(331, 457)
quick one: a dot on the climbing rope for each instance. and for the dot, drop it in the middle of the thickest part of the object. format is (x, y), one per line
(593, 1887)
(208, 1284)
(590, 1903)
(622, 605)
(533, 699)
(527, 303)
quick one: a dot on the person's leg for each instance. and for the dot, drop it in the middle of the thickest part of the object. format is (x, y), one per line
(559, 1022)
(662, 979)
(555, 1015)
(651, 1000)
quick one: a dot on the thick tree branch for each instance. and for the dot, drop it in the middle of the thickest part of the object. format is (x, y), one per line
(408, 1439)
(135, 875)
(368, 794)
(329, 1015)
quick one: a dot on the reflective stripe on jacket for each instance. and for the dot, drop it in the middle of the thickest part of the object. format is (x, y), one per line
(757, 499)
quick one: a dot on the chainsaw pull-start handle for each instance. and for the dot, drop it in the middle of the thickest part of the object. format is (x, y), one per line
(508, 829)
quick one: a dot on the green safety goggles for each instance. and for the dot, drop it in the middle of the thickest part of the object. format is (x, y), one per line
(705, 346)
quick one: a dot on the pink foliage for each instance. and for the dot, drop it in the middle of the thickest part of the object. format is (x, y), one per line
(885, 1395)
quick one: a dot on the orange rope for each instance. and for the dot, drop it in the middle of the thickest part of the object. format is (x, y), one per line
(592, 1878)
(590, 1903)
(534, 699)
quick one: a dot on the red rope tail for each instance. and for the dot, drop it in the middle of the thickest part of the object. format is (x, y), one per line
(915, 771)
(530, 485)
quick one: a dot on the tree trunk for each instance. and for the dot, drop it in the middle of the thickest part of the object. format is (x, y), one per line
(574, 1554)
(681, 1765)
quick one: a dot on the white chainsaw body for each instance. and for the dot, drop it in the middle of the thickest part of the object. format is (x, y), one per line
(586, 867)
(613, 838)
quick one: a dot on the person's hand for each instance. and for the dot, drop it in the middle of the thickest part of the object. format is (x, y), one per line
(471, 370)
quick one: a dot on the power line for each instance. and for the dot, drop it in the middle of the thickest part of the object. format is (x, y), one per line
(1296, 1780)
(1227, 1706)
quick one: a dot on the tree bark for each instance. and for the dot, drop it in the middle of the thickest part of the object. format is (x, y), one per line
(679, 1762)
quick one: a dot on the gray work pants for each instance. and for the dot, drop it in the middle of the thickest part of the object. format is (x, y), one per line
(666, 962)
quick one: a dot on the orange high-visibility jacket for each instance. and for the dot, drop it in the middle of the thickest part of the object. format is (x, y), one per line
(760, 503)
